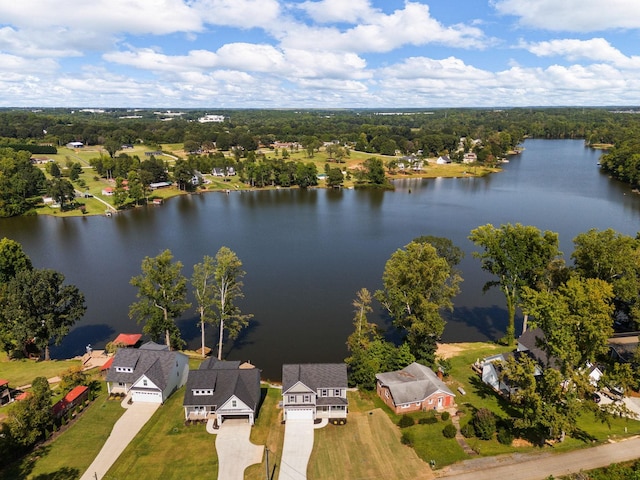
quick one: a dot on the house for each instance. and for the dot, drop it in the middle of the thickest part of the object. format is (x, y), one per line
(150, 373)
(443, 160)
(469, 157)
(107, 191)
(221, 390)
(314, 390)
(75, 397)
(5, 392)
(75, 145)
(414, 388)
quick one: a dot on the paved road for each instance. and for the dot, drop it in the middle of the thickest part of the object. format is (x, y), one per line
(127, 427)
(235, 450)
(540, 466)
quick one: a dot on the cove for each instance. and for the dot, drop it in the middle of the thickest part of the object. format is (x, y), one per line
(306, 253)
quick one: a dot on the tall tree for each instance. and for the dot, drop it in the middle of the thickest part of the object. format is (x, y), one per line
(61, 190)
(228, 285)
(203, 283)
(417, 285)
(32, 418)
(519, 256)
(614, 258)
(39, 308)
(364, 332)
(162, 290)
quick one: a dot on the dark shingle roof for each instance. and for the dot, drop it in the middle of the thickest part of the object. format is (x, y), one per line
(314, 375)
(155, 364)
(413, 383)
(225, 381)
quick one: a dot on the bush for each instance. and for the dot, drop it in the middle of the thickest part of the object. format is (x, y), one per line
(445, 416)
(407, 439)
(406, 421)
(505, 436)
(428, 420)
(449, 431)
(484, 423)
(468, 430)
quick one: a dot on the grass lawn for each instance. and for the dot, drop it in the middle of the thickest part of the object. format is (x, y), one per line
(268, 430)
(166, 448)
(367, 446)
(22, 372)
(71, 453)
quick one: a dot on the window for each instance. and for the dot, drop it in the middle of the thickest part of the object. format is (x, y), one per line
(386, 394)
(307, 399)
(234, 404)
(337, 392)
(324, 392)
(292, 398)
(144, 382)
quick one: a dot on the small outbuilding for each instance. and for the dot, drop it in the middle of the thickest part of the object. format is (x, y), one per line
(5, 392)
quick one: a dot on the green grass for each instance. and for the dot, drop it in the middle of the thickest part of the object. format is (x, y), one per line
(268, 430)
(166, 448)
(74, 448)
(367, 446)
(22, 372)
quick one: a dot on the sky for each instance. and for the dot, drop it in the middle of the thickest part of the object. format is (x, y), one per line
(211, 54)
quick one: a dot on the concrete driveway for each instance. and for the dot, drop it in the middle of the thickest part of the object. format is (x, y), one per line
(235, 450)
(298, 444)
(127, 427)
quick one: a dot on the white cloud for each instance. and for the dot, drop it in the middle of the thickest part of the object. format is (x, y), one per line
(596, 49)
(573, 15)
(382, 32)
(239, 13)
(330, 11)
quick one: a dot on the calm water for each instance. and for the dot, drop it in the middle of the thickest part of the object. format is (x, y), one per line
(306, 253)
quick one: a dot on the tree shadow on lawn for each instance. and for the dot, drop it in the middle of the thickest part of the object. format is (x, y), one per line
(484, 391)
(62, 474)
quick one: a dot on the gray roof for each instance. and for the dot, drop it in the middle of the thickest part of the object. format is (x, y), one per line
(153, 346)
(533, 341)
(413, 383)
(155, 364)
(226, 379)
(314, 375)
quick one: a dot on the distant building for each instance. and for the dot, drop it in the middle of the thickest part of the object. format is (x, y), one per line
(211, 118)
(75, 145)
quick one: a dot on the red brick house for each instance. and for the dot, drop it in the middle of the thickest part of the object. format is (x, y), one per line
(414, 388)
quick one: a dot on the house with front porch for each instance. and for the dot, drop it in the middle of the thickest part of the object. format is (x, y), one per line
(150, 373)
(414, 388)
(222, 390)
(314, 390)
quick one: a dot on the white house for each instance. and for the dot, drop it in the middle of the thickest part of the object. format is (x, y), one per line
(314, 390)
(221, 390)
(150, 373)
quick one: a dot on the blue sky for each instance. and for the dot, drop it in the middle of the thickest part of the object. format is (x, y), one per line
(319, 53)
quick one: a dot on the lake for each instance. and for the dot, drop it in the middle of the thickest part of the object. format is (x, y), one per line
(306, 253)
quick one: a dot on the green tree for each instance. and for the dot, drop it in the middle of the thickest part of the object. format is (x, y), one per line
(12, 259)
(364, 332)
(335, 179)
(576, 320)
(31, 419)
(73, 377)
(417, 285)
(39, 308)
(445, 248)
(375, 172)
(378, 356)
(162, 293)
(111, 145)
(614, 258)
(74, 171)
(61, 190)
(204, 289)
(227, 284)
(518, 255)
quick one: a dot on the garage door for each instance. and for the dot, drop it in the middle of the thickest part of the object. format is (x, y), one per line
(300, 414)
(145, 396)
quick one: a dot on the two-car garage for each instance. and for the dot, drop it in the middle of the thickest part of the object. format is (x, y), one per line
(146, 396)
(298, 414)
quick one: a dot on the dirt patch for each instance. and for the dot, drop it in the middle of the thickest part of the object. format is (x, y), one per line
(521, 443)
(448, 350)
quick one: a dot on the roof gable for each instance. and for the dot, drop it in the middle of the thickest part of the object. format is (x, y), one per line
(157, 365)
(225, 382)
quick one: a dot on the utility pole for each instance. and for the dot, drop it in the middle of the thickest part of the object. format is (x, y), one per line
(267, 454)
